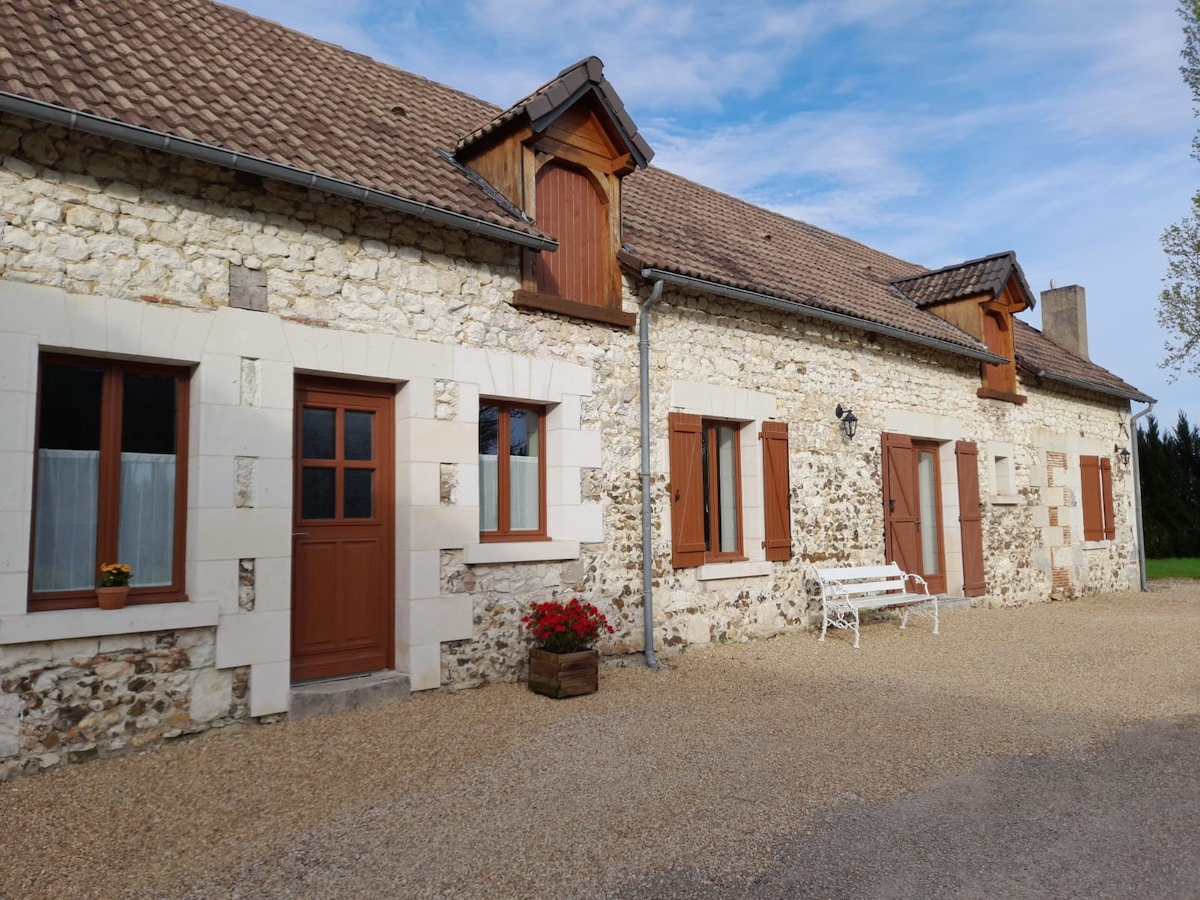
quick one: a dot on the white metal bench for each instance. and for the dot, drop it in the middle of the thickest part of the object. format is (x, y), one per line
(846, 592)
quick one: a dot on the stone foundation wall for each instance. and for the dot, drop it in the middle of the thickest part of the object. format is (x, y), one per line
(70, 701)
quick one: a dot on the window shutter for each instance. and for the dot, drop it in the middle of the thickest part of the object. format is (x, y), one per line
(1110, 528)
(1093, 504)
(687, 492)
(970, 518)
(776, 491)
(901, 515)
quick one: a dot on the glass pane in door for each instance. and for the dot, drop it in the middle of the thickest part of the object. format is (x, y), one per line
(927, 493)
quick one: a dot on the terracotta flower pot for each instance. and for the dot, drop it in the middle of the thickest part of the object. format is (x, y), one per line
(561, 675)
(112, 597)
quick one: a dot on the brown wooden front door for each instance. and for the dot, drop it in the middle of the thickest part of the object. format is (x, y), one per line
(912, 508)
(342, 585)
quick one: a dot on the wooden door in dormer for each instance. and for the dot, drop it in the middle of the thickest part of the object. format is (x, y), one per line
(570, 208)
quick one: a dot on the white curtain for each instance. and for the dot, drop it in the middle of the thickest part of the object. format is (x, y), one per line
(727, 488)
(523, 488)
(523, 492)
(147, 535)
(65, 540)
(489, 485)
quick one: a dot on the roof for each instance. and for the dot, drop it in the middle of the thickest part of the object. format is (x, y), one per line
(1041, 357)
(557, 95)
(988, 275)
(211, 74)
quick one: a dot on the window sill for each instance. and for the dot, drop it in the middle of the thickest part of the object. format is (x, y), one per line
(1006, 500)
(747, 569)
(1096, 545)
(987, 393)
(65, 624)
(549, 303)
(520, 551)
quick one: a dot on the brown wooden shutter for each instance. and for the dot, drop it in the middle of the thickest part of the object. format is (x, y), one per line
(776, 491)
(1110, 528)
(569, 208)
(1093, 502)
(687, 491)
(901, 513)
(970, 518)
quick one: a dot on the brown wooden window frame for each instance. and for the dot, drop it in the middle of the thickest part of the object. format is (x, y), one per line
(695, 530)
(1096, 501)
(108, 499)
(503, 532)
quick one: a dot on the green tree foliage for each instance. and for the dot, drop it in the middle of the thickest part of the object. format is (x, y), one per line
(1170, 469)
(1179, 303)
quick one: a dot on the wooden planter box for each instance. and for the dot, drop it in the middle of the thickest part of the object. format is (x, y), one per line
(561, 675)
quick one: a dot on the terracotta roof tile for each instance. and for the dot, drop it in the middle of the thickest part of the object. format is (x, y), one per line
(1036, 354)
(988, 275)
(225, 78)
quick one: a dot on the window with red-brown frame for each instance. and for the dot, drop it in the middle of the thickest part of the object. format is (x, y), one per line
(110, 480)
(512, 471)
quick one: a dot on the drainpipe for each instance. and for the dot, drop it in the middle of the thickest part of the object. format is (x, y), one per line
(1137, 498)
(647, 541)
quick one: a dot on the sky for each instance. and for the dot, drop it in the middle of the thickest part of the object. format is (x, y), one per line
(935, 130)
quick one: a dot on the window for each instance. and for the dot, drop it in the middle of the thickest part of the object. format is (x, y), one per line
(512, 472)
(706, 491)
(109, 486)
(1096, 483)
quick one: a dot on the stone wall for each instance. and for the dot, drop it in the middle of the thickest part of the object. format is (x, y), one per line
(70, 701)
(95, 218)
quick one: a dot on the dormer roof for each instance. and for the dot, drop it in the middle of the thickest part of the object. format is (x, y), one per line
(542, 107)
(987, 275)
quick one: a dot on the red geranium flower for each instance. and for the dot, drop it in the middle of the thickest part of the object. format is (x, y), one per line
(565, 627)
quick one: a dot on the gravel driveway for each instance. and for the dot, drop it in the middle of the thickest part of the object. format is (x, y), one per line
(714, 770)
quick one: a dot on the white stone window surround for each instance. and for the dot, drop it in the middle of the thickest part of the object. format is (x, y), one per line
(559, 387)
(1067, 497)
(223, 428)
(1000, 456)
(750, 409)
(945, 431)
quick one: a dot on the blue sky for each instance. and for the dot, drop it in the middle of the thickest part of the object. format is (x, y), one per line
(936, 130)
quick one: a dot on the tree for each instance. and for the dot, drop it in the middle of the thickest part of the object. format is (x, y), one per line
(1170, 468)
(1179, 303)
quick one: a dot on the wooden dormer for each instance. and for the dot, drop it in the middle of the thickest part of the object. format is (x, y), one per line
(558, 157)
(980, 297)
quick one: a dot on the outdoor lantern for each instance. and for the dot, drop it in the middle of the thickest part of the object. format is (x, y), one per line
(1122, 452)
(849, 421)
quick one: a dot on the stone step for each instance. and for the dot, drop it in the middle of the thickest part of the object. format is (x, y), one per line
(339, 695)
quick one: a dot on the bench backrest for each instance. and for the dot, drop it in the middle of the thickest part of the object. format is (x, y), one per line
(862, 581)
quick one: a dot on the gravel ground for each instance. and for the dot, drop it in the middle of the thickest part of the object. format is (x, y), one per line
(709, 767)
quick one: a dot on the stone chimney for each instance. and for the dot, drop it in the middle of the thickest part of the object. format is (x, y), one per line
(1064, 319)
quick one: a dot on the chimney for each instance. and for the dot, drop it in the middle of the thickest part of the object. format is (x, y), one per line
(1064, 319)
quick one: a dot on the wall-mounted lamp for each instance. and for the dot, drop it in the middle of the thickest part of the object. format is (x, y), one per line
(849, 421)
(1122, 452)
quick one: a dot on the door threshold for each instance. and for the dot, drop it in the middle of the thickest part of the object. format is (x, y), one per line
(345, 693)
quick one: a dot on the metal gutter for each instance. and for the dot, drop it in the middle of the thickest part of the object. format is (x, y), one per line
(712, 287)
(1137, 498)
(255, 165)
(1096, 388)
(647, 512)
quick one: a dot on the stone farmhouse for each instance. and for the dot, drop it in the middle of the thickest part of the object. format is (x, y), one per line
(351, 368)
